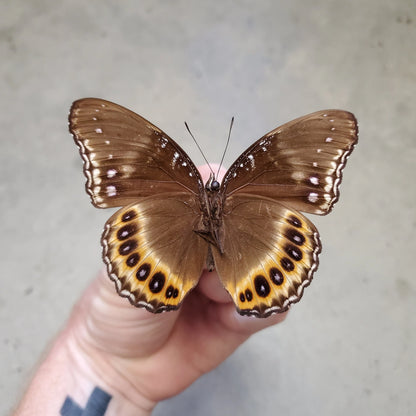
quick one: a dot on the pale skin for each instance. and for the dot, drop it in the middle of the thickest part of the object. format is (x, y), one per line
(137, 357)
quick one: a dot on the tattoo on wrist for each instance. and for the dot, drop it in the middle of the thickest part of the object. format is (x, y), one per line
(96, 405)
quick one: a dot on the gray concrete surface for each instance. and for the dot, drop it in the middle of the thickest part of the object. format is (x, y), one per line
(348, 347)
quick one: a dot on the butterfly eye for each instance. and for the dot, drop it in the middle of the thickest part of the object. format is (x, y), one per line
(215, 185)
(212, 184)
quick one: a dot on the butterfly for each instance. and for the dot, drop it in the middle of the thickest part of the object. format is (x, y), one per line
(172, 225)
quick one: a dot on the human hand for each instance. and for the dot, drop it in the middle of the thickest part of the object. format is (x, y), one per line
(140, 358)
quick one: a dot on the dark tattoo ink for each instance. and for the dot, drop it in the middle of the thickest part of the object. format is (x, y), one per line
(96, 405)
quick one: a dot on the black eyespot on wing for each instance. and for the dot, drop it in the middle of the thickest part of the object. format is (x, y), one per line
(129, 215)
(276, 276)
(262, 286)
(295, 236)
(126, 231)
(127, 247)
(157, 282)
(287, 264)
(294, 252)
(295, 221)
(169, 292)
(143, 272)
(133, 259)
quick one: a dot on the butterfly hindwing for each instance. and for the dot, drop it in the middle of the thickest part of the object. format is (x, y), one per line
(299, 164)
(270, 254)
(127, 157)
(146, 254)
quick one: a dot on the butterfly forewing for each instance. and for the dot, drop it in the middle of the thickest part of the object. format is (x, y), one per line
(127, 157)
(299, 164)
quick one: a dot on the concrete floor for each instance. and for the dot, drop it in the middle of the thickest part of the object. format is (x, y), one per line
(348, 347)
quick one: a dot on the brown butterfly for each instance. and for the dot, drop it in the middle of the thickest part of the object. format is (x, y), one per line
(172, 225)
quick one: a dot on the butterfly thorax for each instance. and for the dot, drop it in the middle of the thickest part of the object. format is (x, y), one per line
(210, 226)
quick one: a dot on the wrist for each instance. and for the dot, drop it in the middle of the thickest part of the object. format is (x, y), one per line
(71, 372)
(92, 368)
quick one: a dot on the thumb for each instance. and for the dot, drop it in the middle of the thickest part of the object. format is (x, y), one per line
(205, 171)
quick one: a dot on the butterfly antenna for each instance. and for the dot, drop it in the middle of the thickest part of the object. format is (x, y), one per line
(199, 147)
(226, 146)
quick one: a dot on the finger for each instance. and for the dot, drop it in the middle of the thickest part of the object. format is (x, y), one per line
(233, 321)
(211, 287)
(205, 171)
(114, 324)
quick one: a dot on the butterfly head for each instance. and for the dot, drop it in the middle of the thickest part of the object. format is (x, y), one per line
(212, 184)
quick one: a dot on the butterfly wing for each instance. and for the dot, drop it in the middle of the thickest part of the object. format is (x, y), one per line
(149, 247)
(151, 251)
(270, 249)
(127, 157)
(299, 164)
(270, 254)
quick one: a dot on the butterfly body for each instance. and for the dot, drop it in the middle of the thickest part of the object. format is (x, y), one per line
(249, 227)
(210, 226)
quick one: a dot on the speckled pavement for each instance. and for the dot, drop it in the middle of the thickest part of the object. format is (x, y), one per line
(348, 347)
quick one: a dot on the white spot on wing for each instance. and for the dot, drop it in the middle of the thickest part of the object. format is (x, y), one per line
(111, 190)
(265, 142)
(111, 173)
(314, 164)
(329, 184)
(175, 159)
(251, 159)
(96, 175)
(328, 139)
(313, 197)
(314, 180)
(98, 130)
(163, 142)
